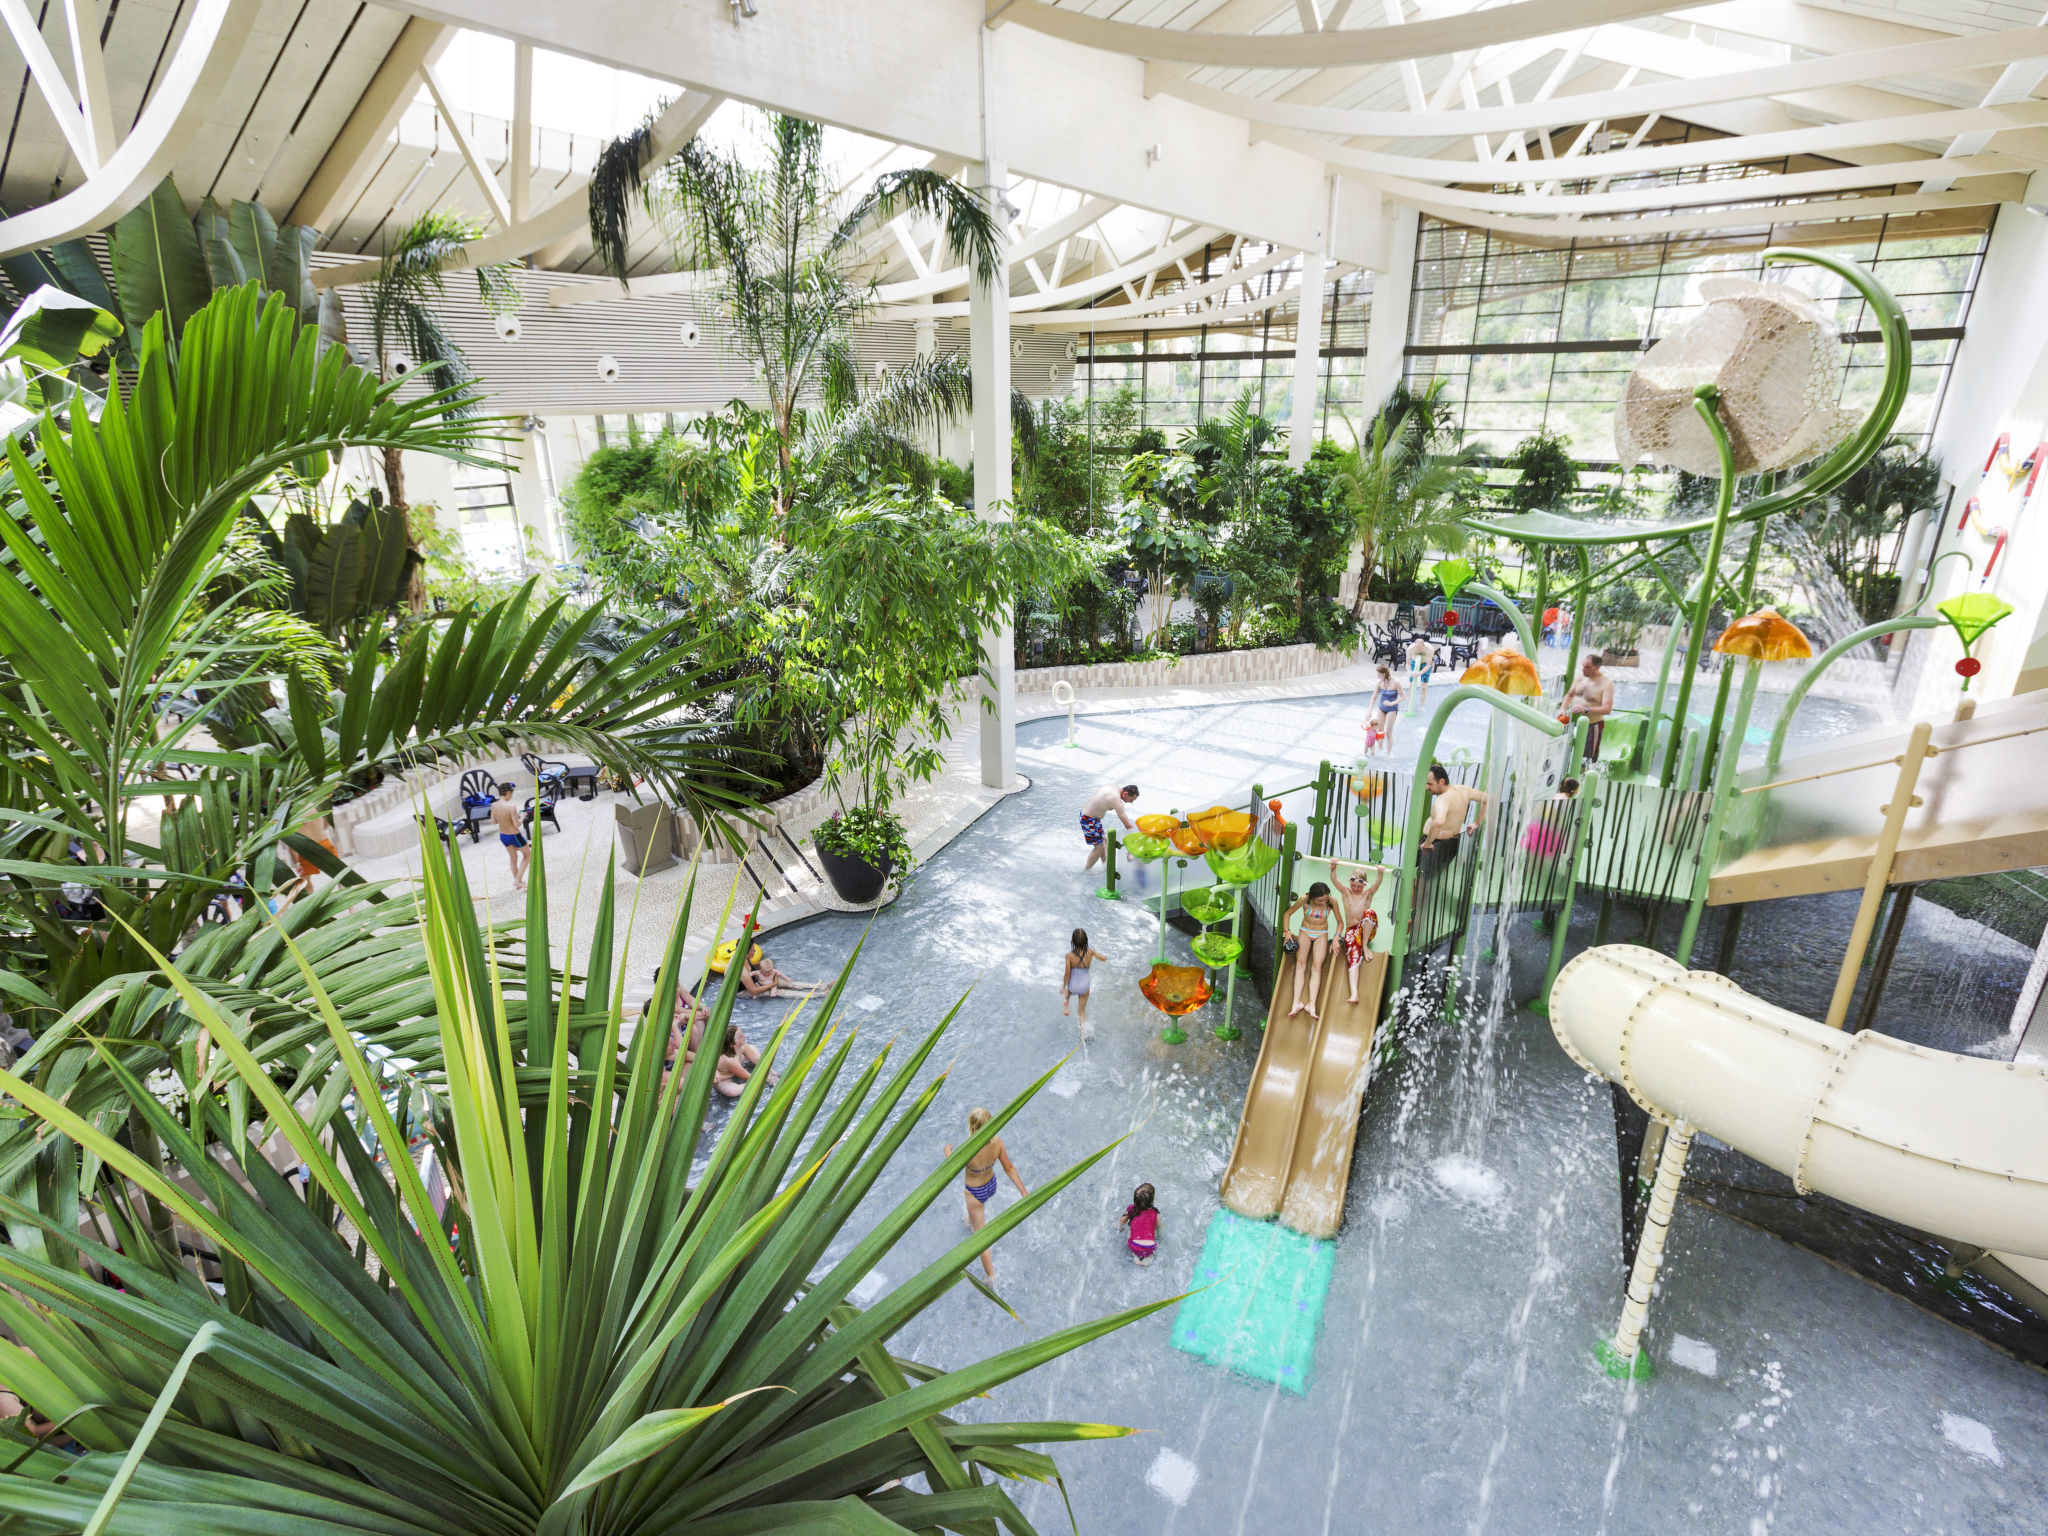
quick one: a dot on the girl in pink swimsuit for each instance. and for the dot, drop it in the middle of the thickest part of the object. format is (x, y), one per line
(1143, 1220)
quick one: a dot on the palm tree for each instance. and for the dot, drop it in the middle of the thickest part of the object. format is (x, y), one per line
(781, 244)
(1402, 495)
(593, 1333)
(405, 334)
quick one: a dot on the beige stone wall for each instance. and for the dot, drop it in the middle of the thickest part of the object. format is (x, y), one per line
(1271, 664)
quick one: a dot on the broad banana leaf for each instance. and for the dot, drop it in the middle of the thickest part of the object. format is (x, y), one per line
(334, 578)
(159, 268)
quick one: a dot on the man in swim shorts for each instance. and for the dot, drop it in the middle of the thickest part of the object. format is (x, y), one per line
(1101, 804)
(1449, 804)
(511, 831)
(1592, 695)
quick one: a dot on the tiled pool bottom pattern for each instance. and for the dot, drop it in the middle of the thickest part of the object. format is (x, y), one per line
(1452, 1385)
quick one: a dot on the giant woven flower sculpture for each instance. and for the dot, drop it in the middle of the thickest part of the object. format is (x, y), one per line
(1775, 357)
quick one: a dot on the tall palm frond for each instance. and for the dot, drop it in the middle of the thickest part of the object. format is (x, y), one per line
(596, 1334)
(617, 182)
(1401, 495)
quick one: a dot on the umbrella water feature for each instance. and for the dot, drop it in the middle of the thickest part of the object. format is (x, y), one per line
(1236, 867)
(1969, 614)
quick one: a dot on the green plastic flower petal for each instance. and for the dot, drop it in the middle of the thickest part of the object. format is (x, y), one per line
(1144, 848)
(1452, 574)
(1971, 613)
(1206, 906)
(1215, 949)
(1241, 866)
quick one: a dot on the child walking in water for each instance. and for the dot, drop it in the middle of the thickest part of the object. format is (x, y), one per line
(1362, 924)
(1074, 975)
(1142, 1217)
(980, 1174)
(1318, 928)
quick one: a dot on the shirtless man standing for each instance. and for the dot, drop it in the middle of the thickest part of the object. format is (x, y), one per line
(1102, 803)
(1446, 824)
(1592, 695)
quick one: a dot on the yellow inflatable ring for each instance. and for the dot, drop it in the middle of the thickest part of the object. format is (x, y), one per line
(721, 957)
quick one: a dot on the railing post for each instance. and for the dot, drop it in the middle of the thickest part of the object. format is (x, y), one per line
(1285, 896)
(1321, 819)
(1918, 749)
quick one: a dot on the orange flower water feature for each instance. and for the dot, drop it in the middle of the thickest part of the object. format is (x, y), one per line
(1766, 635)
(1176, 989)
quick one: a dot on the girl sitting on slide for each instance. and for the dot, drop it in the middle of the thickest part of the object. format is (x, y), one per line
(1320, 920)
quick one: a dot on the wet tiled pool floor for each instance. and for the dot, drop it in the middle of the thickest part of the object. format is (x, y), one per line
(1453, 1385)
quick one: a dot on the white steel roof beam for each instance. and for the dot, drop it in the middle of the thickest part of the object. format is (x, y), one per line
(2015, 83)
(1667, 96)
(479, 168)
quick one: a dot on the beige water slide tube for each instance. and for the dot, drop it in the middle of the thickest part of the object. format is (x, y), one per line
(1292, 1157)
(1953, 1145)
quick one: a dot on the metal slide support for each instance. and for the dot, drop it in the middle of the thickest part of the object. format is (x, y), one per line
(1887, 947)
(1418, 802)
(1561, 924)
(1707, 402)
(1623, 1355)
(1919, 748)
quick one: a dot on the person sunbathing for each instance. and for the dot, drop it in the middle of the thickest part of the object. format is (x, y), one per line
(760, 978)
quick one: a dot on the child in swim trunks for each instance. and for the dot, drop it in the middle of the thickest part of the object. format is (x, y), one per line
(980, 1174)
(1074, 975)
(1363, 923)
(1142, 1217)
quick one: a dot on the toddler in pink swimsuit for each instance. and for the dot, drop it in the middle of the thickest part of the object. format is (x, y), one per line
(1143, 1220)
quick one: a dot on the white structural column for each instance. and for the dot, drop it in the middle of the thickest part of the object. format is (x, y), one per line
(1386, 335)
(988, 354)
(1308, 357)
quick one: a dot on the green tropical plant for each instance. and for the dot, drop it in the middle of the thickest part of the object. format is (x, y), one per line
(406, 336)
(346, 573)
(126, 628)
(784, 245)
(1403, 496)
(1165, 546)
(1546, 475)
(595, 1334)
(163, 261)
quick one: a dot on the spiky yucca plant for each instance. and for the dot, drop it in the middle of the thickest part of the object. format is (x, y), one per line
(587, 1339)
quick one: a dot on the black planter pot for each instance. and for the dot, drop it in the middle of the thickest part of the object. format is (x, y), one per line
(856, 880)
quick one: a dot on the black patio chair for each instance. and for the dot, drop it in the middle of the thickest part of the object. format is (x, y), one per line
(542, 806)
(479, 789)
(544, 770)
(441, 827)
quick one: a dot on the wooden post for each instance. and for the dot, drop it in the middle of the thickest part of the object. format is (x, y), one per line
(1918, 749)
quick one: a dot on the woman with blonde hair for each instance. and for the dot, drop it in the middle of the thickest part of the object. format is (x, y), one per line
(980, 1174)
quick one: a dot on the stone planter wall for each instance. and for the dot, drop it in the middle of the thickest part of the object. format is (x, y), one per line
(1271, 664)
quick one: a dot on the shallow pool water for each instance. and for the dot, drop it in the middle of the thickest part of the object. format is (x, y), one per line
(1453, 1386)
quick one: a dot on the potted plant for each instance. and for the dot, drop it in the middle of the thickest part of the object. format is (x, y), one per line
(860, 849)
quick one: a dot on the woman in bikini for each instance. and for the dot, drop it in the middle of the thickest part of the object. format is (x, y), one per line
(1386, 707)
(1319, 924)
(1364, 924)
(981, 1178)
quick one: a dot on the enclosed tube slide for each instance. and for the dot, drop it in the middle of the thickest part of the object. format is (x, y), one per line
(1953, 1145)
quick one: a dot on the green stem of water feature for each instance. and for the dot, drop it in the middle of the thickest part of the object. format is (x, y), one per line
(1707, 402)
(1582, 818)
(1822, 662)
(1743, 600)
(1228, 1029)
(1717, 812)
(1515, 615)
(1418, 803)
(1579, 595)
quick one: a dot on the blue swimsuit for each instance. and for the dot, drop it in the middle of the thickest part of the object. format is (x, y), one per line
(1390, 699)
